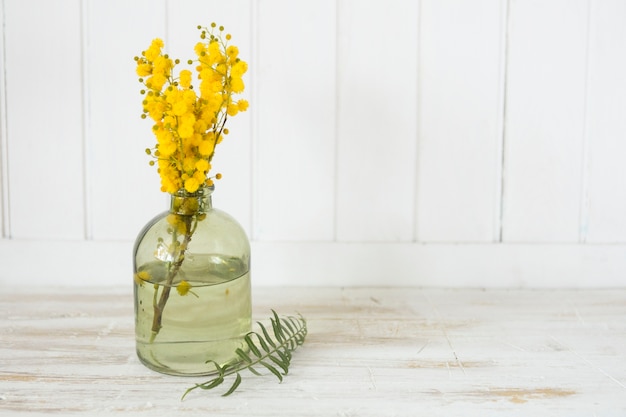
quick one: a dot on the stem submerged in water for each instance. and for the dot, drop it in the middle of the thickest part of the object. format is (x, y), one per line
(173, 271)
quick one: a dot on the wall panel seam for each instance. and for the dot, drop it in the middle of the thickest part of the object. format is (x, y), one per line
(252, 120)
(499, 215)
(418, 119)
(335, 220)
(5, 221)
(586, 156)
(86, 120)
(254, 139)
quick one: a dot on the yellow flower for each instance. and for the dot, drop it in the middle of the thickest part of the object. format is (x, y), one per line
(156, 82)
(177, 223)
(167, 149)
(237, 85)
(189, 120)
(242, 105)
(232, 52)
(202, 165)
(206, 147)
(191, 185)
(142, 276)
(154, 50)
(185, 131)
(183, 288)
(179, 108)
(144, 69)
(185, 78)
(199, 49)
(232, 109)
(238, 69)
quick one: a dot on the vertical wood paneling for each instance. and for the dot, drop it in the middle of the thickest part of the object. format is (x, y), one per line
(461, 81)
(4, 196)
(606, 115)
(377, 82)
(295, 153)
(124, 189)
(44, 118)
(544, 120)
(233, 193)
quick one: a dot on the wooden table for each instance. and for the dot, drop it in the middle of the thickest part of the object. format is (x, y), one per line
(369, 352)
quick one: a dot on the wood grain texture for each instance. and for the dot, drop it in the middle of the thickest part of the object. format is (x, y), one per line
(369, 352)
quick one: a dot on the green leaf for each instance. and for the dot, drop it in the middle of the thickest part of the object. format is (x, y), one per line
(213, 383)
(262, 342)
(234, 386)
(270, 352)
(286, 357)
(266, 335)
(273, 370)
(253, 347)
(243, 355)
(284, 366)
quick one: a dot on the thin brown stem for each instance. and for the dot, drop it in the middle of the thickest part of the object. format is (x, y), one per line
(160, 306)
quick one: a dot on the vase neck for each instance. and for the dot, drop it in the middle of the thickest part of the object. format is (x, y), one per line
(188, 204)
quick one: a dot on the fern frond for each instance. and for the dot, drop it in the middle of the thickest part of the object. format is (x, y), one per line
(272, 352)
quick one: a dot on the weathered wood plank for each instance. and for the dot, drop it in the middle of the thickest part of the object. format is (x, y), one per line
(370, 352)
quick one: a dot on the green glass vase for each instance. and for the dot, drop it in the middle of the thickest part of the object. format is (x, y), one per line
(191, 287)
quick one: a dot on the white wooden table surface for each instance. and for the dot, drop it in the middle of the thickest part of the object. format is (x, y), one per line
(369, 352)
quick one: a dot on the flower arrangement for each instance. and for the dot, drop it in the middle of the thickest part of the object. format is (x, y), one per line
(189, 122)
(188, 125)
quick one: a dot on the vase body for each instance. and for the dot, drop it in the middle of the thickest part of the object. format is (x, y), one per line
(191, 287)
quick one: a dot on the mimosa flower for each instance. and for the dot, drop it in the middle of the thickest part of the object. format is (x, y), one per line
(189, 121)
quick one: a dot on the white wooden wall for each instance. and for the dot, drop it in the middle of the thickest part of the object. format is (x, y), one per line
(389, 142)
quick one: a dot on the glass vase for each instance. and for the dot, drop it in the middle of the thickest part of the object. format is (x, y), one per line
(191, 287)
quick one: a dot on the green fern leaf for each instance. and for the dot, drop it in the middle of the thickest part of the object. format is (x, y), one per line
(234, 386)
(269, 351)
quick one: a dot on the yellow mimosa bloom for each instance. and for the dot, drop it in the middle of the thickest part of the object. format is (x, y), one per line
(199, 176)
(183, 288)
(206, 147)
(232, 109)
(192, 185)
(242, 105)
(189, 120)
(167, 149)
(163, 65)
(144, 70)
(157, 81)
(142, 276)
(238, 69)
(189, 164)
(232, 52)
(215, 54)
(199, 49)
(185, 131)
(179, 108)
(154, 50)
(237, 85)
(202, 165)
(185, 78)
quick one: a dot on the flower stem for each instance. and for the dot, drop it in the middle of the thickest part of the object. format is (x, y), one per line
(160, 306)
